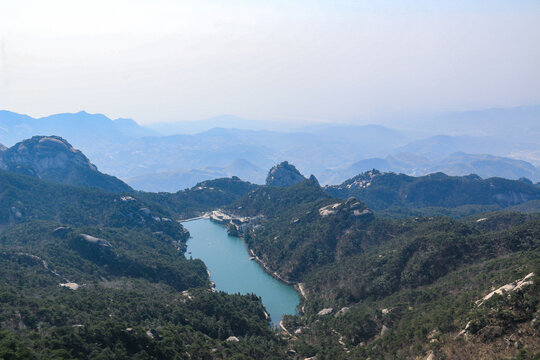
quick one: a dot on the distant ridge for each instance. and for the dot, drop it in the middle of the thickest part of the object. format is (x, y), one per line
(455, 164)
(381, 191)
(73, 126)
(504, 143)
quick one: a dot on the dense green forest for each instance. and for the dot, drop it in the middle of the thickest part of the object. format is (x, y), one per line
(441, 317)
(88, 274)
(23, 198)
(424, 272)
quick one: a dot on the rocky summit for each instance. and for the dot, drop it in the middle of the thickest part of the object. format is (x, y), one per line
(42, 153)
(54, 159)
(284, 174)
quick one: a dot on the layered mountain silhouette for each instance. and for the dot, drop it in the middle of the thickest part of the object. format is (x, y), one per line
(464, 143)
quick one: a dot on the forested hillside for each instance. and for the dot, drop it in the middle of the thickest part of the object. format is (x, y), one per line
(87, 274)
(54, 159)
(436, 194)
(92, 274)
(205, 196)
(380, 288)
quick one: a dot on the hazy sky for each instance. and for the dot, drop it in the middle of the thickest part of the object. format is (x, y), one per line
(166, 60)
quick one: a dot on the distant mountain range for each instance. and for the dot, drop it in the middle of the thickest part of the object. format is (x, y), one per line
(171, 180)
(439, 146)
(457, 163)
(224, 121)
(513, 124)
(464, 143)
(53, 159)
(79, 128)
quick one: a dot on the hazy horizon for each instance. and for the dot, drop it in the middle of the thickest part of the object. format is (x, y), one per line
(305, 61)
(390, 120)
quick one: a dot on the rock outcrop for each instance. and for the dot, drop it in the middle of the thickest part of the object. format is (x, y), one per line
(61, 231)
(70, 285)
(54, 159)
(284, 174)
(325, 311)
(42, 153)
(352, 205)
(95, 241)
(515, 286)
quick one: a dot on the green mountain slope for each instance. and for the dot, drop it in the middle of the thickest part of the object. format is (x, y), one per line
(119, 302)
(204, 196)
(88, 274)
(383, 288)
(435, 193)
(23, 198)
(92, 274)
(54, 159)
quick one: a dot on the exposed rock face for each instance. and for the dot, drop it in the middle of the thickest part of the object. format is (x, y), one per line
(96, 241)
(284, 174)
(53, 158)
(361, 181)
(41, 153)
(356, 207)
(343, 311)
(515, 286)
(329, 209)
(61, 231)
(325, 311)
(70, 285)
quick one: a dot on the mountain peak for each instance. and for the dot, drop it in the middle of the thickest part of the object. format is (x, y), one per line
(284, 174)
(53, 158)
(41, 153)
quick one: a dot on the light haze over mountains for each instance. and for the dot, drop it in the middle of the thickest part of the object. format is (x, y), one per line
(373, 165)
(280, 60)
(170, 157)
(334, 87)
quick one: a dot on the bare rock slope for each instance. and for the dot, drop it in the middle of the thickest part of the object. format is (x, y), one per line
(54, 159)
(284, 174)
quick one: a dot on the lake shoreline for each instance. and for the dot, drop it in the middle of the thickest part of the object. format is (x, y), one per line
(267, 269)
(296, 285)
(204, 216)
(236, 269)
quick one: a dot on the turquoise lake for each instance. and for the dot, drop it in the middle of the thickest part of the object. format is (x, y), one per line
(227, 259)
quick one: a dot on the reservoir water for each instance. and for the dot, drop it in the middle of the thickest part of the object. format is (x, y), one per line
(227, 259)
